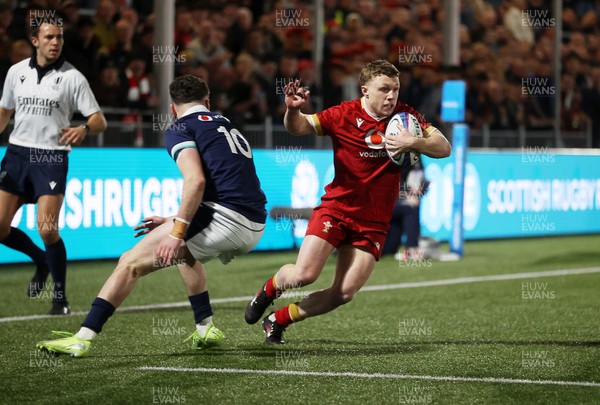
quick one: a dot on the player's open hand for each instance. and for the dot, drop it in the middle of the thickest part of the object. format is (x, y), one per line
(148, 224)
(403, 142)
(167, 250)
(72, 135)
(295, 95)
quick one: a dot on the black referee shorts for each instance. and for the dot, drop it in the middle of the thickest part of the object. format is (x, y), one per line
(32, 172)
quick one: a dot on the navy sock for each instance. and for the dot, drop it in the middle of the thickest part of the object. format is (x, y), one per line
(18, 240)
(99, 313)
(56, 256)
(201, 306)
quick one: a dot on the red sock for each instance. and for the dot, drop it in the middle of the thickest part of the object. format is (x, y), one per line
(270, 289)
(282, 317)
(288, 315)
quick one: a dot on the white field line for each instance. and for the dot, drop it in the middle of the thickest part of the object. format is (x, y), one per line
(373, 376)
(432, 283)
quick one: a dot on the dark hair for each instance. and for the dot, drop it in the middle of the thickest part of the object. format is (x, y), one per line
(37, 23)
(188, 88)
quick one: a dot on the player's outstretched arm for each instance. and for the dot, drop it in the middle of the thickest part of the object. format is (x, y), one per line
(5, 118)
(295, 121)
(194, 182)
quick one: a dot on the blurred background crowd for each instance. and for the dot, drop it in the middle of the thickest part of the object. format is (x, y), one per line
(247, 50)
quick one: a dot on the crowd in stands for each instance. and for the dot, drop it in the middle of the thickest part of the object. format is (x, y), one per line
(247, 50)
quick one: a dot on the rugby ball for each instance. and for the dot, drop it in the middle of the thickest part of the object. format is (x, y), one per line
(411, 123)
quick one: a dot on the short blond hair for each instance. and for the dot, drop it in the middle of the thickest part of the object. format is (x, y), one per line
(377, 68)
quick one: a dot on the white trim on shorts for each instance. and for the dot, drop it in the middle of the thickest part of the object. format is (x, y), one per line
(229, 234)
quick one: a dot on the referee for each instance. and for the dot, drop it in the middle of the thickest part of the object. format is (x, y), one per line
(43, 91)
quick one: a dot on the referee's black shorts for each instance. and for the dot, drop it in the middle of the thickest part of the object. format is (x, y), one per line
(32, 172)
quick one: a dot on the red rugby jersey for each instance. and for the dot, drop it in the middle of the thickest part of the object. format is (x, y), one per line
(366, 181)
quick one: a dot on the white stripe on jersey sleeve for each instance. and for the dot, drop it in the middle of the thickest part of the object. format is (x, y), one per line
(181, 145)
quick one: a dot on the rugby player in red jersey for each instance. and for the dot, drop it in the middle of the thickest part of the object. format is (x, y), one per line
(356, 209)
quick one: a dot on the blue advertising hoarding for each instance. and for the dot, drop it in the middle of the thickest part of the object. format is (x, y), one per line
(507, 194)
(525, 193)
(453, 101)
(110, 189)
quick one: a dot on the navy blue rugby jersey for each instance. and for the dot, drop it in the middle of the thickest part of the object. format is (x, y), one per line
(226, 156)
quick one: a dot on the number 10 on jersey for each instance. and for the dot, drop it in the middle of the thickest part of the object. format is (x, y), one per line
(233, 139)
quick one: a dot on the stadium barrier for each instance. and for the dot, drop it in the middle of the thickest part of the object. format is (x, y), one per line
(518, 193)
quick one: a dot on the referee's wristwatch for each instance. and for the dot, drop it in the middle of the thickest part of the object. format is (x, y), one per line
(87, 129)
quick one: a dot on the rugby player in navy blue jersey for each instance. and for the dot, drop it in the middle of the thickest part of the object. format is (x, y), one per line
(222, 214)
(43, 92)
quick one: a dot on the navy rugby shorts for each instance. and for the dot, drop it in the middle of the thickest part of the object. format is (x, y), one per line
(32, 172)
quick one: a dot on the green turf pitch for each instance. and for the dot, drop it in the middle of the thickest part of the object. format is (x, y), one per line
(536, 328)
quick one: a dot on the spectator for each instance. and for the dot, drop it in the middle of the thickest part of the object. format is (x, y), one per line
(431, 100)
(184, 28)
(19, 50)
(144, 46)
(104, 27)
(109, 90)
(138, 95)
(306, 70)
(81, 47)
(287, 72)
(499, 111)
(570, 20)
(121, 51)
(591, 103)
(255, 44)
(239, 31)
(70, 14)
(247, 103)
(272, 36)
(298, 41)
(513, 21)
(572, 116)
(6, 18)
(206, 49)
(137, 83)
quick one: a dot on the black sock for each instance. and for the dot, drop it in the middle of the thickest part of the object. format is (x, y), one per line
(99, 313)
(201, 306)
(18, 240)
(56, 256)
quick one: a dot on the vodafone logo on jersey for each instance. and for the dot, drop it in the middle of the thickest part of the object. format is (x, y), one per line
(375, 139)
(205, 118)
